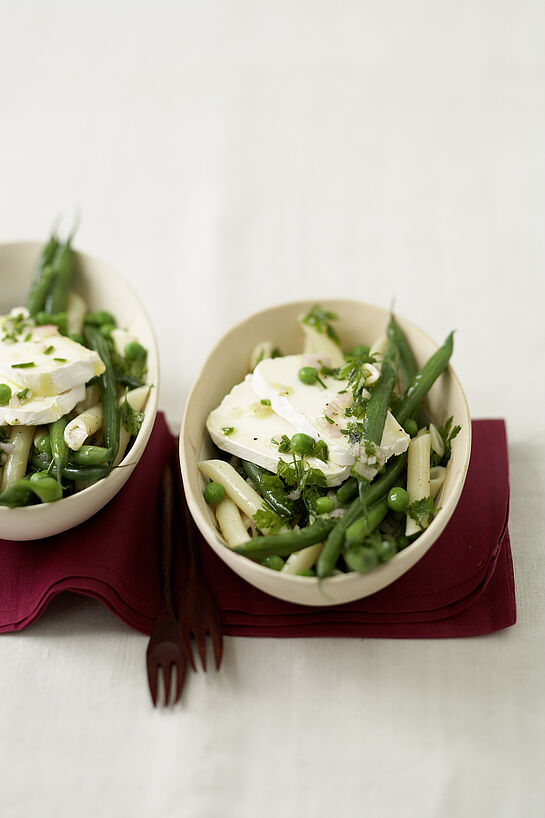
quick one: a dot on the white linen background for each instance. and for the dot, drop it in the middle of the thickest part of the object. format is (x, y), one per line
(227, 155)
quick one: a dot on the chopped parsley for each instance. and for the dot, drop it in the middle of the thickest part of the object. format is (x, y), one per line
(448, 432)
(227, 430)
(319, 319)
(422, 511)
(130, 418)
(266, 518)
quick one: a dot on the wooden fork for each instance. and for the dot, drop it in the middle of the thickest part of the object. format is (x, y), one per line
(165, 648)
(198, 614)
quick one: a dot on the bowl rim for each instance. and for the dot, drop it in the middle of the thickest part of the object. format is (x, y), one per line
(145, 430)
(426, 539)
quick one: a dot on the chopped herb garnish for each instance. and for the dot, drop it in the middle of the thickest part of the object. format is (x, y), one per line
(23, 394)
(27, 337)
(422, 511)
(60, 360)
(227, 430)
(320, 451)
(48, 350)
(319, 319)
(266, 518)
(448, 432)
(130, 418)
(25, 365)
(284, 447)
(265, 402)
(329, 420)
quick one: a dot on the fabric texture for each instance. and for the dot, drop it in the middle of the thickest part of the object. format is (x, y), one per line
(462, 587)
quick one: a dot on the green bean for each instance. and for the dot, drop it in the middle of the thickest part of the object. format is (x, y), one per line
(40, 289)
(423, 381)
(65, 265)
(377, 408)
(287, 542)
(331, 551)
(108, 391)
(348, 490)
(87, 474)
(277, 498)
(407, 363)
(364, 525)
(46, 257)
(59, 449)
(90, 456)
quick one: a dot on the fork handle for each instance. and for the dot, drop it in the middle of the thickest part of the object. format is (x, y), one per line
(166, 510)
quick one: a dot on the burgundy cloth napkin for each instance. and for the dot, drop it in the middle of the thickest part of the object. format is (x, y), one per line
(462, 587)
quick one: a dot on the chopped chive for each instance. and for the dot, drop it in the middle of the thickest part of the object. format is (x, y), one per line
(25, 365)
(265, 402)
(27, 337)
(329, 420)
(49, 350)
(23, 393)
(60, 360)
(228, 430)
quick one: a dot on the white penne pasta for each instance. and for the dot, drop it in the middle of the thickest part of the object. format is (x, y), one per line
(75, 312)
(82, 427)
(121, 337)
(15, 466)
(316, 342)
(418, 475)
(437, 478)
(372, 373)
(230, 522)
(302, 560)
(92, 397)
(260, 352)
(245, 497)
(437, 442)
(137, 399)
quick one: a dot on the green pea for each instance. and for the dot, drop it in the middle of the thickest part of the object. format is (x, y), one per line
(323, 505)
(398, 498)
(360, 558)
(214, 493)
(135, 351)
(274, 561)
(5, 394)
(306, 572)
(40, 475)
(43, 444)
(411, 427)
(99, 317)
(302, 443)
(308, 375)
(106, 329)
(386, 548)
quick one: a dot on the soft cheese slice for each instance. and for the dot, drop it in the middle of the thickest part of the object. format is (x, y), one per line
(254, 425)
(47, 362)
(307, 407)
(34, 410)
(320, 412)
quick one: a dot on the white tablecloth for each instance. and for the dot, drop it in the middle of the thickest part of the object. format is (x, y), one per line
(230, 154)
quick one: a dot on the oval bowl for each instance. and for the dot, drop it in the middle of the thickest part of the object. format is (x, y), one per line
(102, 288)
(227, 365)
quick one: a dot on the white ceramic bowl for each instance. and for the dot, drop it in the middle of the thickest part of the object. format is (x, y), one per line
(103, 288)
(227, 364)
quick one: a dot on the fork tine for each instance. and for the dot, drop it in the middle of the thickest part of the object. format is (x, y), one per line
(186, 644)
(217, 642)
(167, 671)
(152, 681)
(180, 675)
(201, 645)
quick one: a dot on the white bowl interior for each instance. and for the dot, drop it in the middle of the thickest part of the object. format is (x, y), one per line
(102, 288)
(227, 364)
